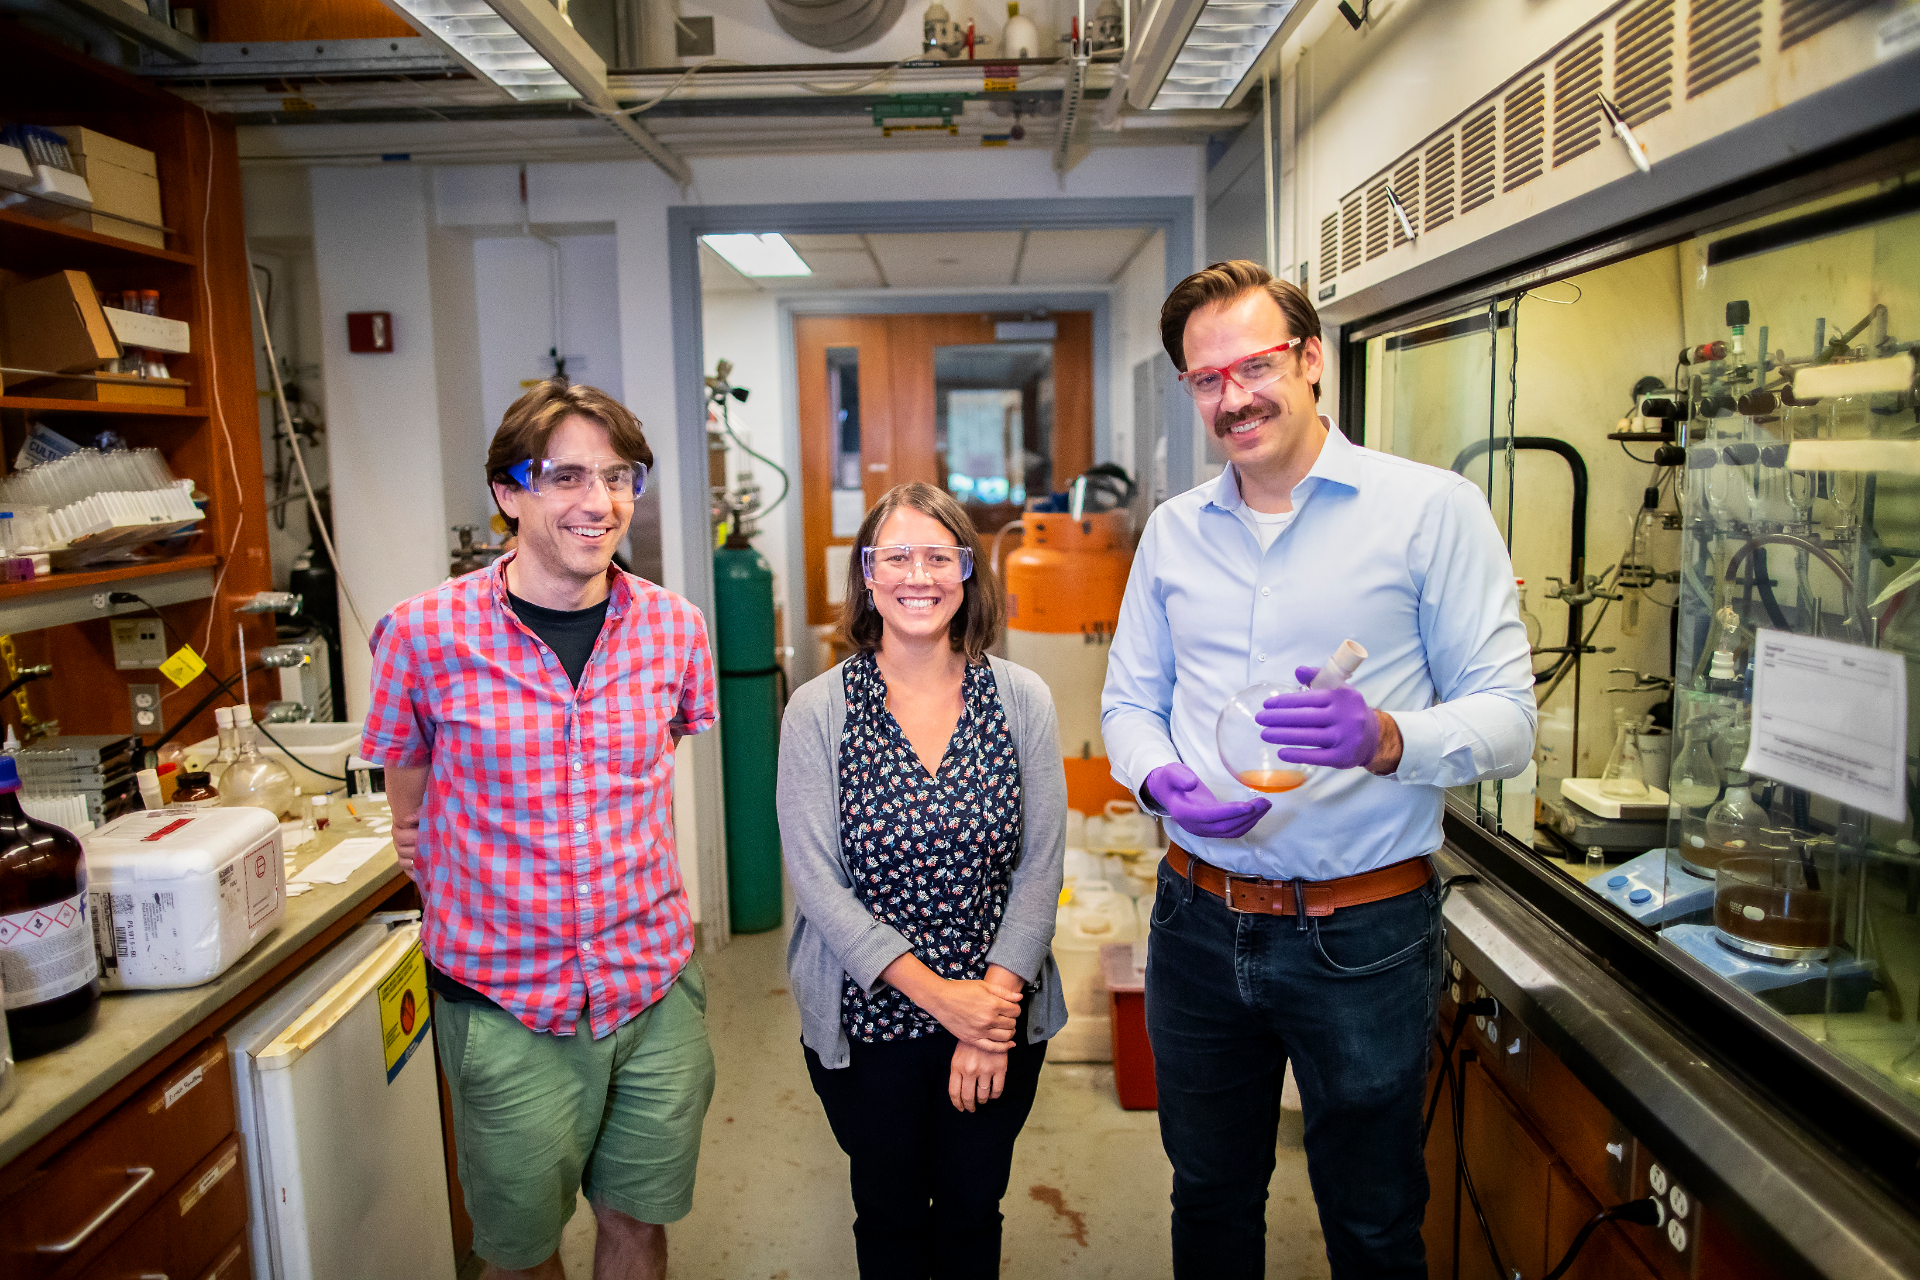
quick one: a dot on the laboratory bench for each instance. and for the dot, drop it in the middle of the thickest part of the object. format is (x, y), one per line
(120, 1145)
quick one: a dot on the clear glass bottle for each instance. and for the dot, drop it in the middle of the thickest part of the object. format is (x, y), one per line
(1527, 617)
(223, 722)
(252, 779)
(47, 961)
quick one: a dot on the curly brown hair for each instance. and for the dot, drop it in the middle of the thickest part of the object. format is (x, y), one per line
(976, 624)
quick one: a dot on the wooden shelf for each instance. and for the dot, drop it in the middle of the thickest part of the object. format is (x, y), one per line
(31, 244)
(37, 404)
(60, 598)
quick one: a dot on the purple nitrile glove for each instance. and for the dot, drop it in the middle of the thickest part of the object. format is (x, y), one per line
(1334, 728)
(1189, 802)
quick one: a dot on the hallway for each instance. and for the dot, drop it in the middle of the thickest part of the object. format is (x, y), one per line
(1088, 1197)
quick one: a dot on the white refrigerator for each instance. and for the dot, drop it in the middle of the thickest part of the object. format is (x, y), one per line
(341, 1110)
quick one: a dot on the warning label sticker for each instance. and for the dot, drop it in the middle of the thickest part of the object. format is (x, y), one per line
(261, 868)
(46, 952)
(404, 1015)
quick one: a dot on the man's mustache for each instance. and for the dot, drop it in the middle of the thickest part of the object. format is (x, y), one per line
(1228, 421)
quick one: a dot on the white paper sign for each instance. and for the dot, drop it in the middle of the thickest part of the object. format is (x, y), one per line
(849, 509)
(1831, 718)
(340, 862)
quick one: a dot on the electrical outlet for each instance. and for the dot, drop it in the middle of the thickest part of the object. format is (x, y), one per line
(139, 643)
(146, 708)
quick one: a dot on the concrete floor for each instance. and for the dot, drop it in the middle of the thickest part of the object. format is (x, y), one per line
(1088, 1196)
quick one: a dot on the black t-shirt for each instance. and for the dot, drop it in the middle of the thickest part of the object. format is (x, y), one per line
(571, 634)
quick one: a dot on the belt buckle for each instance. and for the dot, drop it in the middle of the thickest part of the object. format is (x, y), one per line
(1228, 895)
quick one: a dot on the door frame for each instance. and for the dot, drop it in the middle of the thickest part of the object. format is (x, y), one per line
(876, 302)
(1174, 216)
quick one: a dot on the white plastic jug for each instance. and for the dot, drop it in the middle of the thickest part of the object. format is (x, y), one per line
(1127, 828)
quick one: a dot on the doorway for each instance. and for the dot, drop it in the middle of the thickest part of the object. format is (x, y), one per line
(993, 412)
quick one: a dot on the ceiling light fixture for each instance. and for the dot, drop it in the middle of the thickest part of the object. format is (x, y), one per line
(485, 41)
(531, 51)
(760, 255)
(1195, 54)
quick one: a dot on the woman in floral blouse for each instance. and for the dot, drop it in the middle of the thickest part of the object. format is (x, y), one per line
(922, 818)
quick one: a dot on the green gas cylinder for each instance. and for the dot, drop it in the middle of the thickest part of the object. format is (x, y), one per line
(750, 687)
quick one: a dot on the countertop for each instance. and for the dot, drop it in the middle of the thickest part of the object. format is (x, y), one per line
(134, 1026)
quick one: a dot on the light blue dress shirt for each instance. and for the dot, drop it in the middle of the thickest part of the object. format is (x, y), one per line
(1403, 558)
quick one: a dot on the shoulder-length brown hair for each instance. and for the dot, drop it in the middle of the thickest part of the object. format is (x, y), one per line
(983, 605)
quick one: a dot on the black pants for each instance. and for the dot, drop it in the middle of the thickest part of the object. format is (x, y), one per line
(927, 1177)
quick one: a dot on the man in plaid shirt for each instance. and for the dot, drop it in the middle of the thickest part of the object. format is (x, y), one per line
(526, 716)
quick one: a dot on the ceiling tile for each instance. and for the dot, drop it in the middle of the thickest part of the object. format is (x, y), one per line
(1077, 257)
(949, 259)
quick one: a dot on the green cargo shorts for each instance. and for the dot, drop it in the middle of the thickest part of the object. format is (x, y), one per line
(536, 1117)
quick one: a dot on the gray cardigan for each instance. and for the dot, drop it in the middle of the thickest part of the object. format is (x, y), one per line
(833, 933)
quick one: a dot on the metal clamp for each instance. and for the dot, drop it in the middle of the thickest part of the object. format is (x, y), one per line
(141, 1177)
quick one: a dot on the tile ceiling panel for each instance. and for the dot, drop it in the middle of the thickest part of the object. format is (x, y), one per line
(947, 259)
(1077, 257)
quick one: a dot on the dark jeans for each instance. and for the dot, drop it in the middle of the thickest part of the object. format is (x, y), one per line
(927, 1178)
(1349, 999)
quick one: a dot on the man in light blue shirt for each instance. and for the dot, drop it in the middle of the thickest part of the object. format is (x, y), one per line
(1304, 927)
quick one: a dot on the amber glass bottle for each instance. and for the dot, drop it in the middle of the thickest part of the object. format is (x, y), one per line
(47, 962)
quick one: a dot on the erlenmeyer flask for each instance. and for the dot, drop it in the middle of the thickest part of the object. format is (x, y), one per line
(1624, 778)
(1694, 780)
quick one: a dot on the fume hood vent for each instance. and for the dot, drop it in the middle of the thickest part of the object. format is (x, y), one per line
(1643, 62)
(1406, 185)
(1803, 19)
(1576, 112)
(1439, 208)
(1526, 132)
(1723, 39)
(1377, 216)
(1460, 176)
(1477, 140)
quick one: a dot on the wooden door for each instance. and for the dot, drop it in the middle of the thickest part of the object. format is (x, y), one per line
(889, 363)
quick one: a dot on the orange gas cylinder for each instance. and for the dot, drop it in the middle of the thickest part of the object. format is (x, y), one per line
(1064, 586)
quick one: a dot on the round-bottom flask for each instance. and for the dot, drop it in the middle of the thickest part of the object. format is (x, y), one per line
(1254, 762)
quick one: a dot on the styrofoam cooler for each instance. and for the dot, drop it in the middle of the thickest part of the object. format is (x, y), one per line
(178, 895)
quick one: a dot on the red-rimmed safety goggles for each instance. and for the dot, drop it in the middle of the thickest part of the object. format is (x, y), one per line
(1249, 373)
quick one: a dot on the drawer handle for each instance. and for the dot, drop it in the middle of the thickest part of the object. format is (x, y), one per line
(141, 1177)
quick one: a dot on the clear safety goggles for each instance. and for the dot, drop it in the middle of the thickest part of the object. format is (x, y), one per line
(572, 477)
(1249, 373)
(892, 565)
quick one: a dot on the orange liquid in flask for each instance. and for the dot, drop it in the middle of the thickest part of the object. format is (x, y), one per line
(1271, 780)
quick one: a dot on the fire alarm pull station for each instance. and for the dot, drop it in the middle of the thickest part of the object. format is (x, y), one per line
(370, 332)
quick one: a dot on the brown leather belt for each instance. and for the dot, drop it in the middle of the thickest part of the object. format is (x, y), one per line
(1321, 897)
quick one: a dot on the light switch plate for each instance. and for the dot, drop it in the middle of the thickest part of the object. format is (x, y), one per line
(139, 642)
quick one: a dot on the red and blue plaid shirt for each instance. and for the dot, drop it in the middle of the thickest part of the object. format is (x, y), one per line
(547, 861)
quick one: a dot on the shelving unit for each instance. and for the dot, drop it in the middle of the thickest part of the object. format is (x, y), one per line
(201, 276)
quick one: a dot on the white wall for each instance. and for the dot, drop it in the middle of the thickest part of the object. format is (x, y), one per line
(371, 251)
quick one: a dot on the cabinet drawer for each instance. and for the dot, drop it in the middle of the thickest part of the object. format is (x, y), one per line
(91, 1192)
(185, 1233)
(234, 1262)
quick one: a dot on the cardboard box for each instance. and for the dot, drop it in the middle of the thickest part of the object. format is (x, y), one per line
(108, 389)
(152, 333)
(124, 183)
(55, 323)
